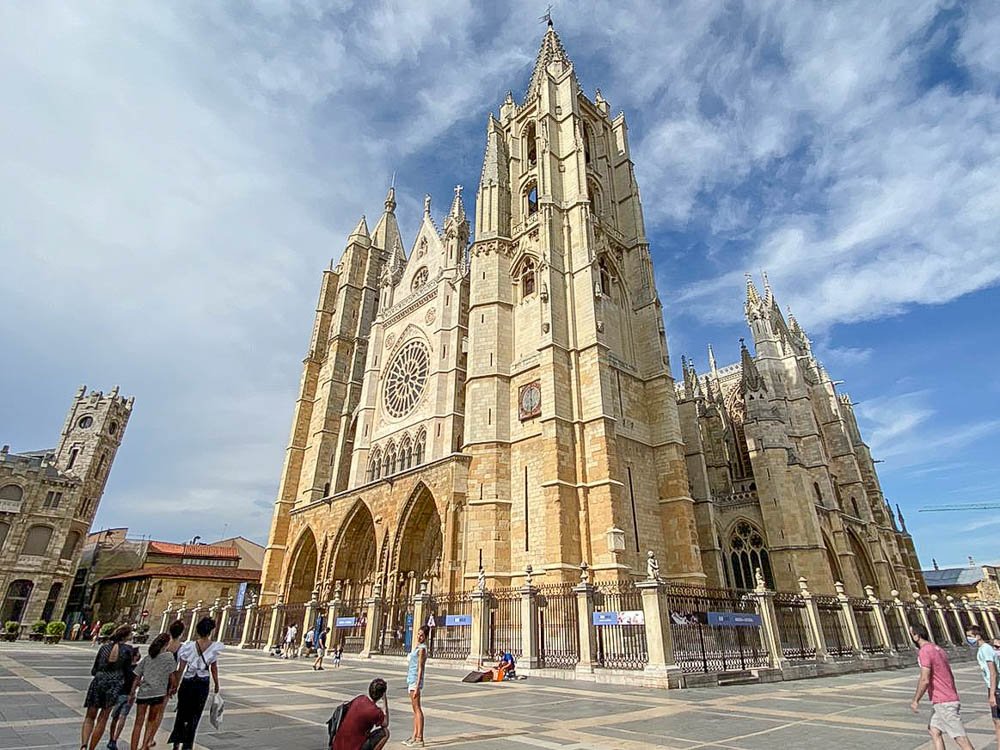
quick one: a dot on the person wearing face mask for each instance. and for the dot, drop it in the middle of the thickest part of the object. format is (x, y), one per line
(989, 663)
(937, 680)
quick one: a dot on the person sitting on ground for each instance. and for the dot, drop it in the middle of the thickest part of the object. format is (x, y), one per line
(365, 726)
(504, 670)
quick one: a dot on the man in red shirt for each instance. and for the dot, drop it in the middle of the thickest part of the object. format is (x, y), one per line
(365, 726)
(938, 682)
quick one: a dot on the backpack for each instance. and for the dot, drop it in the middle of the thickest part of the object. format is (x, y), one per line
(334, 722)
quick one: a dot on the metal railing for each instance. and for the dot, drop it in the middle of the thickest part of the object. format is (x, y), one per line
(450, 641)
(352, 637)
(558, 626)
(831, 620)
(864, 616)
(504, 621)
(234, 626)
(257, 637)
(796, 640)
(621, 645)
(700, 647)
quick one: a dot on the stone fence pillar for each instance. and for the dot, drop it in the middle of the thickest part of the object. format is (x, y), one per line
(224, 616)
(332, 613)
(248, 623)
(585, 615)
(769, 633)
(881, 626)
(373, 628)
(277, 615)
(985, 620)
(165, 620)
(925, 613)
(480, 627)
(956, 615)
(661, 666)
(900, 614)
(308, 618)
(813, 623)
(529, 623)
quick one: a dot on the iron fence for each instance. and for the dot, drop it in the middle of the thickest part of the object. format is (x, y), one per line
(868, 632)
(397, 624)
(558, 626)
(292, 614)
(504, 622)
(621, 644)
(701, 647)
(796, 640)
(257, 637)
(234, 626)
(450, 641)
(351, 634)
(897, 633)
(955, 629)
(831, 620)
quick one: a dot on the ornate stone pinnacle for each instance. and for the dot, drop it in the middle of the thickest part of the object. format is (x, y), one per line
(584, 574)
(527, 574)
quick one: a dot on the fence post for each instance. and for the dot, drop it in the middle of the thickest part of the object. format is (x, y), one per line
(421, 608)
(942, 620)
(332, 613)
(373, 628)
(308, 618)
(957, 617)
(272, 631)
(881, 625)
(847, 612)
(769, 623)
(585, 614)
(180, 614)
(165, 620)
(900, 614)
(661, 664)
(213, 611)
(812, 622)
(227, 609)
(924, 614)
(248, 622)
(529, 622)
(480, 624)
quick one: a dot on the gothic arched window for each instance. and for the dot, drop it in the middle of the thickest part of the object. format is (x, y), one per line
(18, 593)
(531, 144)
(389, 461)
(854, 504)
(405, 453)
(37, 541)
(819, 493)
(527, 276)
(604, 271)
(747, 552)
(531, 195)
(11, 492)
(375, 465)
(4, 529)
(594, 194)
(419, 448)
(587, 138)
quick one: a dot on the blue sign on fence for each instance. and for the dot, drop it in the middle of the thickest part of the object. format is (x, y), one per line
(457, 620)
(347, 622)
(605, 618)
(739, 619)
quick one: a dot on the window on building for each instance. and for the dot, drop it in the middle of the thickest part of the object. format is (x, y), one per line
(16, 600)
(181, 590)
(375, 465)
(50, 601)
(102, 462)
(85, 422)
(72, 457)
(819, 493)
(11, 492)
(52, 500)
(389, 461)
(4, 529)
(604, 271)
(854, 505)
(531, 144)
(405, 454)
(419, 278)
(69, 547)
(587, 137)
(224, 591)
(532, 198)
(594, 196)
(419, 447)
(528, 278)
(37, 541)
(747, 553)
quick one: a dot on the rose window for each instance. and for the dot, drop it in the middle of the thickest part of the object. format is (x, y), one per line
(419, 278)
(406, 378)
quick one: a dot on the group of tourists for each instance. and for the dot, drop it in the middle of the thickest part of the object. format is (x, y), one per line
(171, 666)
(938, 682)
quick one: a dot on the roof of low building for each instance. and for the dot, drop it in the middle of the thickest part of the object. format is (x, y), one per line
(193, 550)
(944, 577)
(188, 571)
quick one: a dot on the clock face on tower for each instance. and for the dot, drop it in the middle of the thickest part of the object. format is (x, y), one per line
(529, 400)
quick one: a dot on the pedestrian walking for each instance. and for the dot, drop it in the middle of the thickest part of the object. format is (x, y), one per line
(417, 660)
(365, 726)
(197, 660)
(176, 632)
(338, 651)
(121, 710)
(105, 687)
(937, 680)
(989, 663)
(319, 640)
(290, 634)
(149, 691)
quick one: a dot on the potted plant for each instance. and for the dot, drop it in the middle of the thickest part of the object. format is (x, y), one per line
(54, 631)
(37, 631)
(11, 629)
(106, 630)
(141, 633)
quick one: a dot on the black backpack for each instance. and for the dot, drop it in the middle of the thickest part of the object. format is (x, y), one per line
(334, 722)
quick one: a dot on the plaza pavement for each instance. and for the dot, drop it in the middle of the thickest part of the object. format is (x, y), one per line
(271, 703)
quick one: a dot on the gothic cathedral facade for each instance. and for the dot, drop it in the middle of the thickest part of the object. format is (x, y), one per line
(501, 405)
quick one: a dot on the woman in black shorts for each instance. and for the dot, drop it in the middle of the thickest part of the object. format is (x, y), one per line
(149, 693)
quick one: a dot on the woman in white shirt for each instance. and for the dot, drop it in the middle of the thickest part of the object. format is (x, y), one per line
(197, 660)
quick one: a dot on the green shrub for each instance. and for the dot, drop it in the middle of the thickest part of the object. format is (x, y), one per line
(39, 627)
(55, 628)
(107, 629)
(142, 628)
(11, 626)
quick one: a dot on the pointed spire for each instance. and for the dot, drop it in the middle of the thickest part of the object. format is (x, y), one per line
(768, 293)
(551, 51)
(753, 297)
(360, 231)
(902, 524)
(386, 234)
(751, 380)
(457, 207)
(711, 360)
(390, 197)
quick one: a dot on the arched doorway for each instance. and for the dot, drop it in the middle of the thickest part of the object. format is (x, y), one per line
(302, 572)
(16, 600)
(866, 573)
(352, 562)
(419, 540)
(832, 560)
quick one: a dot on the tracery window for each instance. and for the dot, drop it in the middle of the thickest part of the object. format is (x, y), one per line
(405, 453)
(747, 552)
(531, 144)
(375, 465)
(605, 276)
(419, 278)
(420, 447)
(389, 461)
(527, 278)
(532, 198)
(406, 378)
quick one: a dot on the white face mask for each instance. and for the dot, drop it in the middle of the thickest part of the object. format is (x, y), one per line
(971, 641)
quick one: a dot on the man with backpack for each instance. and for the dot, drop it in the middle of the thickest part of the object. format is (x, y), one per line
(360, 724)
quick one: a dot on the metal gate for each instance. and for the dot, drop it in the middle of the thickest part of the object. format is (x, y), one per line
(620, 644)
(701, 647)
(397, 624)
(234, 626)
(351, 636)
(864, 616)
(558, 626)
(796, 640)
(505, 622)
(831, 620)
(257, 638)
(451, 641)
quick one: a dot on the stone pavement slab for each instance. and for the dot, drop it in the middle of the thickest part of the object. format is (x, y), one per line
(283, 705)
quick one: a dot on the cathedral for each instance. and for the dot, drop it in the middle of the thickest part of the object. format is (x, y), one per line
(499, 398)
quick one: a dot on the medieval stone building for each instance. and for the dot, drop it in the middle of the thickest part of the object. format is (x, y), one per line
(510, 403)
(48, 500)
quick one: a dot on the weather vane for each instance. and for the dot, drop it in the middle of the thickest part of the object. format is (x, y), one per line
(548, 16)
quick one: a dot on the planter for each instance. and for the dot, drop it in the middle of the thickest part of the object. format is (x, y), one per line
(52, 638)
(36, 636)
(11, 637)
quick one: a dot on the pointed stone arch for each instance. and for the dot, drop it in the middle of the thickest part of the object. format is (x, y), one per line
(419, 534)
(862, 561)
(746, 551)
(354, 553)
(832, 559)
(300, 580)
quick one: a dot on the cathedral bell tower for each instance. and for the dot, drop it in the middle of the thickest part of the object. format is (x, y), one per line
(571, 419)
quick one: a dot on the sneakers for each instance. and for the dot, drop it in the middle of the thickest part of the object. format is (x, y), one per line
(413, 742)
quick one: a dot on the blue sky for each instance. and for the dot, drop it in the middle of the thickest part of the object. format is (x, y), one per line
(176, 175)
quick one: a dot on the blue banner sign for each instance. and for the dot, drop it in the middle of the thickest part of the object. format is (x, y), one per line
(457, 620)
(347, 622)
(605, 618)
(739, 619)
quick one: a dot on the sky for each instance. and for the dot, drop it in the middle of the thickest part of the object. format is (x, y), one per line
(175, 177)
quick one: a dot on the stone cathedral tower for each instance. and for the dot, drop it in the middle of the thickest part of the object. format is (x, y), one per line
(501, 405)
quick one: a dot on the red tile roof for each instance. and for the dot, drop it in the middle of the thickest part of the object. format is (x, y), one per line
(189, 571)
(193, 550)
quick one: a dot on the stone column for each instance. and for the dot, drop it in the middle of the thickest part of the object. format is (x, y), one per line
(227, 612)
(373, 628)
(972, 613)
(769, 633)
(661, 665)
(165, 620)
(529, 623)
(881, 626)
(248, 622)
(847, 612)
(957, 617)
(937, 611)
(990, 615)
(332, 613)
(213, 611)
(900, 614)
(585, 611)
(985, 619)
(277, 612)
(480, 627)
(813, 623)
(195, 616)
(308, 618)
